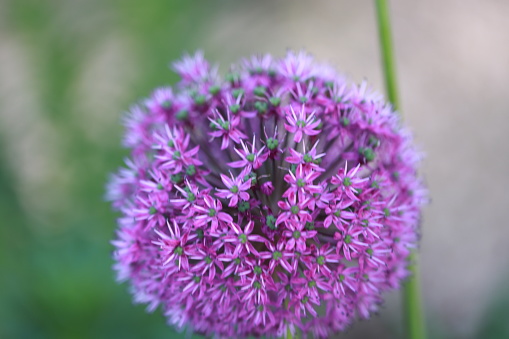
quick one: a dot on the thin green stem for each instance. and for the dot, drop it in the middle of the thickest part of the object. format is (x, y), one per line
(387, 50)
(414, 318)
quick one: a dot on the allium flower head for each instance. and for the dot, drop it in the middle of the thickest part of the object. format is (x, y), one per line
(280, 198)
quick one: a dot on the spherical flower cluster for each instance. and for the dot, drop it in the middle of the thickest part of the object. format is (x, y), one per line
(279, 199)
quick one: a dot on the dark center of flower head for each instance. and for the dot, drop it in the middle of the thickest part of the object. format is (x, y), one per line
(276, 142)
(191, 170)
(224, 125)
(176, 178)
(259, 90)
(257, 270)
(275, 101)
(199, 99)
(261, 106)
(301, 183)
(272, 143)
(166, 104)
(270, 220)
(387, 212)
(277, 255)
(182, 115)
(235, 108)
(368, 153)
(244, 206)
(232, 77)
(367, 204)
(214, 89)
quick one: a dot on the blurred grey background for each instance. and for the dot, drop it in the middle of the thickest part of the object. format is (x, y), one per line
(69, 68)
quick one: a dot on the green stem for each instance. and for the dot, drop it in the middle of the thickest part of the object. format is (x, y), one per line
(414, 319)
(387, 49)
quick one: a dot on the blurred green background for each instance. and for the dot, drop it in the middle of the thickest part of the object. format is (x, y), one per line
(68, 68)
(74, 66)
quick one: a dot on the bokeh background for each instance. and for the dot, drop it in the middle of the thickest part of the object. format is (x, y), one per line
(68, 68)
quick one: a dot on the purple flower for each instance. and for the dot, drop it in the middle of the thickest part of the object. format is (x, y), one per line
(251, 159)
(173, 246)
(267, 188)
(282, 198)
(161, 100)
(150, 209)
(302, 181)
(243, 238)
(226, 128)
(207, 261)
(235, 189)
(301, 123)
(277, 256)
(294, 208)
(211, 213)
(338, 213)
(308, 159)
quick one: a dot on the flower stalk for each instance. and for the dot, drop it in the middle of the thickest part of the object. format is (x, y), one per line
(387, 51)
(414, 319)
